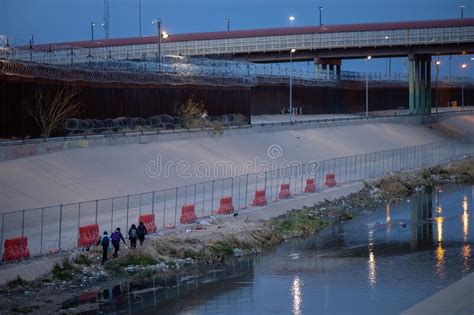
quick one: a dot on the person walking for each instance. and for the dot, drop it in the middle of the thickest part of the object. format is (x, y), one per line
(106, 244)
(141, 232)
(132, 236)
(116, 237)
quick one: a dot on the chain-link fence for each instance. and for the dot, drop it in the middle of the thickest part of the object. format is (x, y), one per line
(55, 228)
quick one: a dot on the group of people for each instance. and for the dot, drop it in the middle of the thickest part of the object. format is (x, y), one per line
(134, 233)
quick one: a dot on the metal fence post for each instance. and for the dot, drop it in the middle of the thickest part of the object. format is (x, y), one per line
(78, 216)
(22, 223)
(265, 185)
(232, 188)
(212, 196)
(3, 226)
(41, 236)
(246, 188)
(176, 207)
(96, 210)
(152, 203)
(128, 207)
(139, 206)
(164, 209)
(60, 225)
(194, 198)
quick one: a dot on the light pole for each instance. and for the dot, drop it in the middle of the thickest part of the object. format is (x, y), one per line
(463, 67)
(437, 64)
(140, 17)
(292, 51)
(462, 6)
(367, 87)
(320, 15)
(92, 30)
(31, 47)
(228, 24)
(158, 25)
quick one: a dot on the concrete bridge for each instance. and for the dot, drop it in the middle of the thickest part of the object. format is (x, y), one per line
(326, 45)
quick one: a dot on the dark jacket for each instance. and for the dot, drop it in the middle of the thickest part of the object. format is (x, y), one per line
(101, 238)
(141, 230)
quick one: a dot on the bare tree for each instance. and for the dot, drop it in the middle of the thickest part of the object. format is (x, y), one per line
(193, 113)
(53, 106)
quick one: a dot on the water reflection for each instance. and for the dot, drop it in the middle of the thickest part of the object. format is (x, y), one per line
(421, 222)
(296, 294)
(388, 218)
(465, 218)
(466, 249)
(372, 277)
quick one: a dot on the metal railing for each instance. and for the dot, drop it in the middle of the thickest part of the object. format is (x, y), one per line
(310, 40)
(54, 228)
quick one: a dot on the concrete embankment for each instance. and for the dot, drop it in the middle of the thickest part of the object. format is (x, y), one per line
(102, 172)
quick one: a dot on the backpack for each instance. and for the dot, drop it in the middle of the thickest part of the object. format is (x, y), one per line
(115, 237)
(132, 233)
(105, 241)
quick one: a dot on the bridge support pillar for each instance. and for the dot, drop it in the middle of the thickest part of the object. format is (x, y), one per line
(419, 84)
(411, 86)
(330, 67)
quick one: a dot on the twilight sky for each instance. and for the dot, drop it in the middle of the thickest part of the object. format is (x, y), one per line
(67, 20)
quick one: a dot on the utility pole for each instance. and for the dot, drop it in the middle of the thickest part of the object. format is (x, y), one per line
(320, 15)
(140, 17)
(106, 24)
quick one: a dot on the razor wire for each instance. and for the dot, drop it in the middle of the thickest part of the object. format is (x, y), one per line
(157, 122)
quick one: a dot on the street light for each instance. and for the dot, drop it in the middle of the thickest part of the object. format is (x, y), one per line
(462, 6)
(320, 13)
(292, 19)
(292, 51)
(437, 64)
(92, 30)
(228, 24)
(31, 46)
(367, 88)
(160, 36)
(140, 17)
(463, 67)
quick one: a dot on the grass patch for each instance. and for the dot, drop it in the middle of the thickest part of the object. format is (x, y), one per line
(131, 259)
(222, 249)
(299, 222)
(64, 272)
(83, 260)
(25, 309)
(18, 282)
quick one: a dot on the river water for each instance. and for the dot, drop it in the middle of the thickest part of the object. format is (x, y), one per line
(381, 262)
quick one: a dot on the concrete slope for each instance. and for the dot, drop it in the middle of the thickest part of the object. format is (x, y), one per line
(457, 126)
(100, 172)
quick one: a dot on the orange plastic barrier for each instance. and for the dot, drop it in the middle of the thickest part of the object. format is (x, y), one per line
(15, 249)
(188, 215)
(88, 235)
(330, 180)
(310, 186)
(149, 221)
(260, 199)
(284, 191)
(226, 206)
